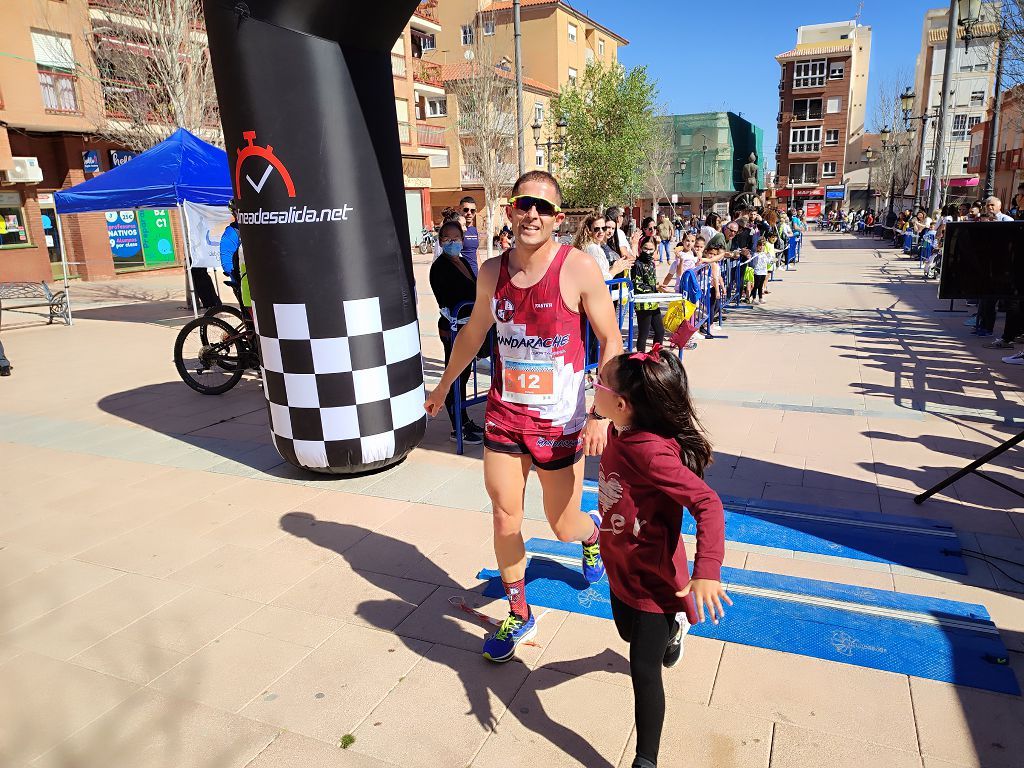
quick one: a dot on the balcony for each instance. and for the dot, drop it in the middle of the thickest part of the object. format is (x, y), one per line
(59, 94)
(470, 174)
(427, 9)
(398, 66)
(428, 135)
(404, 132)
(427, 73)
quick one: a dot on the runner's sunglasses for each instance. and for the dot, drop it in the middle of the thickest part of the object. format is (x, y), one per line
(525, 202)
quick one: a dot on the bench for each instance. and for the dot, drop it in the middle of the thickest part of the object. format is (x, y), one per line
(36, 295)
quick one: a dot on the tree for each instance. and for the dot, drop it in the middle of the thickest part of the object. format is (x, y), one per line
(610, 117)
(658, 155)
(890, 162)
(486, 97)
(154, 65)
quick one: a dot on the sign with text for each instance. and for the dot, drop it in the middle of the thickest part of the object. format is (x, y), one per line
(119, 157)
(155, 233)
(836, 192)
(91, 161)
(813, 210)
(125, 242)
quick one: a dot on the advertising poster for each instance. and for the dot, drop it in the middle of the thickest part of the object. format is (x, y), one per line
(206, 224)
(813, 210)
(125, 243)
(91, 161)
(155, 233)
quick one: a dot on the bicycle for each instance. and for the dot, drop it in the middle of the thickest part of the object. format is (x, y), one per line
(211, 355)
(428, 240)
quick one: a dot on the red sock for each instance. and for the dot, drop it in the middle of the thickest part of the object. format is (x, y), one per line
(516, 593)
(592, 540)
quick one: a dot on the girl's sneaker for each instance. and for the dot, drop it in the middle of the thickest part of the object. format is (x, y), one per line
(500, 646)
(593, 565)
(674, 652)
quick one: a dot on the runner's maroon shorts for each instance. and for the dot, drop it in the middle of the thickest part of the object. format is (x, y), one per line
(549, 450)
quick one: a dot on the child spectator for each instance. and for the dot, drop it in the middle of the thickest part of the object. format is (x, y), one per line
(650, 469)
(645, 280)
(759, 263)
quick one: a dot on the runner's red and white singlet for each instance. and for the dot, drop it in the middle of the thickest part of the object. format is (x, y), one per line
(539, 366)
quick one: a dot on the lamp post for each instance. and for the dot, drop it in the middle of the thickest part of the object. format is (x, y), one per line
(869, 154)
(680, 172)
(970, 15)
(885, 134)
(550, 144)
(703, 161)
(907, 106)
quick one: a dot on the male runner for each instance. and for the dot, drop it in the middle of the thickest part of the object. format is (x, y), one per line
(540, 295)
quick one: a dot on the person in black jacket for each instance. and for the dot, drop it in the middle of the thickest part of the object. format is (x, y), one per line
(453, 282)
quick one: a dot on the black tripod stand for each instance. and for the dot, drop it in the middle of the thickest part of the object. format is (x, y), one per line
(974, 467)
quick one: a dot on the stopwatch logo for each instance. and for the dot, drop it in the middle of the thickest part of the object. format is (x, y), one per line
(267, 153)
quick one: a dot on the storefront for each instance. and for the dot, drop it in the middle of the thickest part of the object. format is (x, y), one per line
(810, 199)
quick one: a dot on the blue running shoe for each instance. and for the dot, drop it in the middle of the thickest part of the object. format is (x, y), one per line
(501, 645)
(593, 565)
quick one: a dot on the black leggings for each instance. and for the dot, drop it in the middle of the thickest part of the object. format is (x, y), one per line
(758, 291)
(648, 635)
(646, 319)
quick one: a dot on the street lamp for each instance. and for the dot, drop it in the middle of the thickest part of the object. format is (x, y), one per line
(680, 172)
(703, 160)
(907, 105)
(869, 155)
(550, 144)
(970, 14)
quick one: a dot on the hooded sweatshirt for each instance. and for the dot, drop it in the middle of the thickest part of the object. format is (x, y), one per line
(643, 487)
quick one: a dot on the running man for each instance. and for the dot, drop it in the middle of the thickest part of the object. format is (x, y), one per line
(540, 295)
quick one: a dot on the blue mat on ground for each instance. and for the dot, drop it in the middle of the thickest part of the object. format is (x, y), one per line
(925, 637)
(890, 539)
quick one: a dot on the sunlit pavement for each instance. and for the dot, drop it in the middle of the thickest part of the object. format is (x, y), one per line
(171, 594)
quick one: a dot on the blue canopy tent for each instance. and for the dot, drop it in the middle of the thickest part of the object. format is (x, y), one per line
(181, 167)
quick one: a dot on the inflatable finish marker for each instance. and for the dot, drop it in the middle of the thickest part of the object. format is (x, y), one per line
(307, 103)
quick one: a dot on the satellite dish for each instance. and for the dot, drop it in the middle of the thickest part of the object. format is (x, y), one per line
(468, 55)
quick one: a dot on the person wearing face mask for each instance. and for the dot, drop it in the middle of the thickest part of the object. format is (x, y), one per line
(453, 282)
(645, 280)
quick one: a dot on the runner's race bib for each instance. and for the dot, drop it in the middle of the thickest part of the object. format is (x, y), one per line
(529, 382)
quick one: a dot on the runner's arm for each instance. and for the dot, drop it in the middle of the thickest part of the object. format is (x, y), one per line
(470, 336)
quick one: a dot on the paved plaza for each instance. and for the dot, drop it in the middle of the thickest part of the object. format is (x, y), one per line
(172, 594)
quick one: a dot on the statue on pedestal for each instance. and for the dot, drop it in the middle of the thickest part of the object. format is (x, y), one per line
(748, 198)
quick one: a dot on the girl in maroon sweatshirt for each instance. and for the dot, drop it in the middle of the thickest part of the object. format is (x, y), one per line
(650, 469)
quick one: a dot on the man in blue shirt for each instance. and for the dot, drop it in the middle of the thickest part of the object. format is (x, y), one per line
(229, 243)
(471, 239)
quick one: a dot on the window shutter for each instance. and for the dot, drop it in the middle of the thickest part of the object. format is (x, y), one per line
(53, 51)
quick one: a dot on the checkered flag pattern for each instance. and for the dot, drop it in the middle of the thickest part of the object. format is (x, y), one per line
(343, 389)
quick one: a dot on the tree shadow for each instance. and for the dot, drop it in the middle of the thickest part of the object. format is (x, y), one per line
(342, 538)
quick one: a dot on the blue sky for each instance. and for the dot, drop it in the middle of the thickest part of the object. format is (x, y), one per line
(716, 56)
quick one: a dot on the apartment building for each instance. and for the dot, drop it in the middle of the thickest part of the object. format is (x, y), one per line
(822, 97)
(558, 43)
(972, 89)
(50, 106)
(1009, 171)
(419, 89)
(715, 146)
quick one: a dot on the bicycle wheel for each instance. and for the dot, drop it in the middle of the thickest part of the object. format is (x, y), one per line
(230, 314)
(208, 355)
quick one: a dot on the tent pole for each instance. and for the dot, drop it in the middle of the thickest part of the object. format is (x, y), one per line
(64, 265)
(188, 260)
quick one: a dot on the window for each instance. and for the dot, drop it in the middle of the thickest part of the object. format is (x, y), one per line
(803, 173)
(804, 140)
(828, 169)
(600, 47)
(55, 62)
(437, 107)
(807, 109)
(809, 74)
(572, 33)
(427, 42)
(538, 112)
(488, 27)
(831, 137)
(440, 160)
(834, 104)
(836, 70)
(965, 165)
(540, 158)
(12, 214)
(977, 98)
(572, 75)
(962, 125)
(467, 34)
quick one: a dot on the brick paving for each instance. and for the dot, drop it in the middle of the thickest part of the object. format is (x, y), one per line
(171, 594)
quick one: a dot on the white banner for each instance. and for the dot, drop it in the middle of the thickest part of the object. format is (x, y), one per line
(206, 223)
